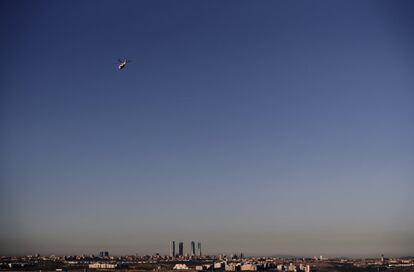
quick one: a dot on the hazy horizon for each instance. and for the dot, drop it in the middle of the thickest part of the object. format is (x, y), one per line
(269, 127)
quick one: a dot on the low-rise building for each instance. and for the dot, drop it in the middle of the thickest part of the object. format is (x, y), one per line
(102, 266)
(181, 267)
(232, 267)
(292, 267)
(219, 265)
(249, 267)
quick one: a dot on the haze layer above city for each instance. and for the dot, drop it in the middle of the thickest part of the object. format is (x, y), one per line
(263, 127)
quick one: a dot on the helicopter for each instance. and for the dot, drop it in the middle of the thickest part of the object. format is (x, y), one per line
(122, 63)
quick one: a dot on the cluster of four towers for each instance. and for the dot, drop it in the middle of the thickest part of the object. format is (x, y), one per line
(181, 249)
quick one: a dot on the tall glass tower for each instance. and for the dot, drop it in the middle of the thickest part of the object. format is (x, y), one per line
(172, 248)
(181, 249)
(199, 249)
(192, 248)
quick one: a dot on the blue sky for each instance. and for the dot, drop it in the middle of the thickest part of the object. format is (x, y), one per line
(269, 127)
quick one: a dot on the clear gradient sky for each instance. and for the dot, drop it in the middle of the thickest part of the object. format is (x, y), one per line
(268, 127)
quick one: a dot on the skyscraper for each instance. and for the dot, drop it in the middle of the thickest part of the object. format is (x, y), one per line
(199, 249)
(192, 248)
(172, 248)
(181, 249)
(103, 254)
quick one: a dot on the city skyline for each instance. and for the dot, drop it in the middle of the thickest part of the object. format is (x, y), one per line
(233, 263)
(224, 255)
(270, 127)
